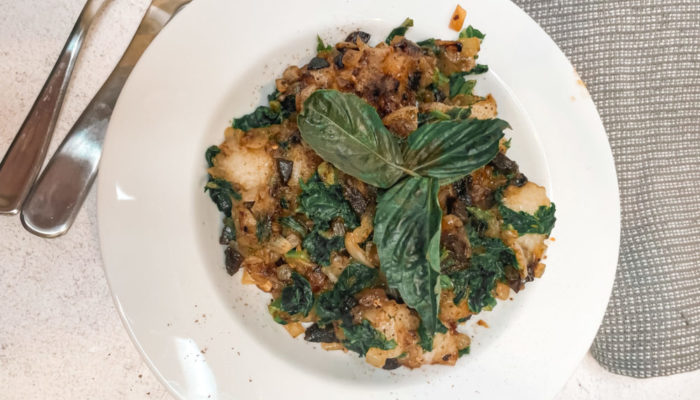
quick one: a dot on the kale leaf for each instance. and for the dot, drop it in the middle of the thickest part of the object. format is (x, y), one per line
(261, 117)
(285, 106)
(542, 222)
(361, 337)
(323, 203)
(297, 298)
(221, 193)
(263, 228)
(490, 257)
(335, 304)
(293, 224)
(480, 219)
(211, 152)
(320, 247)
(275, 311)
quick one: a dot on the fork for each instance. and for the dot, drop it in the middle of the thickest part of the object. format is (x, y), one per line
(56, 198)
(24, 158)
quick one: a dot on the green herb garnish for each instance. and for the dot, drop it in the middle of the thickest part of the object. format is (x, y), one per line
(470, 31)
(347, 132)
(399, 30)
(320, 46)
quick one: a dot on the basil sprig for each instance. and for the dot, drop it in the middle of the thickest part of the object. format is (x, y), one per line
(347, 132)
(407, 235)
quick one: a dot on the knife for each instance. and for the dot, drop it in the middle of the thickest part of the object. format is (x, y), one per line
(55, 200)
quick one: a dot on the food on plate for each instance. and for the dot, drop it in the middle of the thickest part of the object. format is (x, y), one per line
(374, 200)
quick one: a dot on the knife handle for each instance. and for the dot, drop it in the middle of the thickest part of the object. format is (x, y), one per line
(55, 200)
(24, 158)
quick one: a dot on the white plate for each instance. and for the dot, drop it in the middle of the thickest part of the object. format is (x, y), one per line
(204, 334)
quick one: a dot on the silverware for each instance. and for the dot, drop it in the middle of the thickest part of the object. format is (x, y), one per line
(55, 200)
(24, 158)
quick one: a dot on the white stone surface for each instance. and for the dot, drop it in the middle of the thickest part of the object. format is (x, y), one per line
(60, 335)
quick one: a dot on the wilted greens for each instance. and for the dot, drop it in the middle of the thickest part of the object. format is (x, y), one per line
(347, 132)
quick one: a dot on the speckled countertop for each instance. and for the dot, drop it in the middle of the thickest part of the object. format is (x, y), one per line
(60, 335)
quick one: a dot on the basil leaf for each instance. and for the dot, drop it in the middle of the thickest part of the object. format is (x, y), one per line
(399, 30)
(451, 149)
(407, 235)
(361, 337)
(320, 247)
(542, 222)
(445, 281)
(348, 133)
(426, 340)
(297, 298)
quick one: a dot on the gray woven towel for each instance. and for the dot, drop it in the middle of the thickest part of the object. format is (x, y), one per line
(641, 62)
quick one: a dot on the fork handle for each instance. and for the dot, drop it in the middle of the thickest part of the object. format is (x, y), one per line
(24, 158)
(55, 200)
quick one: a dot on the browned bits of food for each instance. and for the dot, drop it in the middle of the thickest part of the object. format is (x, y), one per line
(306, 230)
(284, 169)
(233, 260)
(483, 185)
(483, 323)
(402, 121)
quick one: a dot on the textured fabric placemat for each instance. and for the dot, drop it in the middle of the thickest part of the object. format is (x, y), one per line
(641, 63)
